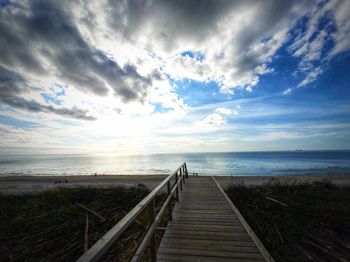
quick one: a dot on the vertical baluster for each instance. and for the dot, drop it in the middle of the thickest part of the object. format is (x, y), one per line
(186, 170)
(153, 240)
(183, 173)
(181, 180)
(169, 206)
(177, 188)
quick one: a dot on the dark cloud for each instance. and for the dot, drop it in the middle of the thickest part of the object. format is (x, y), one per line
(172, 21)
(10, 82)
(33, 106)
(13, 85)
(44, 31)
(15, 49)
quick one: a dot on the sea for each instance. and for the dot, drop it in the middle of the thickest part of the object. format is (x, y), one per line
(225, 163)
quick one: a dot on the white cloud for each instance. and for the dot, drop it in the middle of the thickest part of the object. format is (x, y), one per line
(226, 111)
(263, 69)
(311, 76)
(310, 45)
(341, 11)
(288, 91)
(180, 67)
(214, 120)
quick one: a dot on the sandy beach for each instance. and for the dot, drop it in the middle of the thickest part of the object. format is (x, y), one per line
(30, 184)
(337, 179)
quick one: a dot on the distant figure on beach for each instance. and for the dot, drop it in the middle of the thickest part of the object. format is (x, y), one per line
(95, 174)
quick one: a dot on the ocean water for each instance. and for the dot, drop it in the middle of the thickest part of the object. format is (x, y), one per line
(234, 163)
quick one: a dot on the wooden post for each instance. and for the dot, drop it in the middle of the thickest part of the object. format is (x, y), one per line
(186, 170)
(177, 188)
(169, 206)
(181, 179)
(183, 173)
(153, 239)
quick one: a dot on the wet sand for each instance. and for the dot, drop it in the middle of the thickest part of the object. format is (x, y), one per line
(31, 184)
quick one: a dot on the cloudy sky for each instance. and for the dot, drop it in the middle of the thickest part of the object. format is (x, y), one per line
(118, 76)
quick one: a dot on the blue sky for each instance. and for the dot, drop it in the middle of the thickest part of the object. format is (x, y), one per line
(126, 77)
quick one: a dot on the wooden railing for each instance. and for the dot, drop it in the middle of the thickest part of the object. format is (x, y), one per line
(102, 245)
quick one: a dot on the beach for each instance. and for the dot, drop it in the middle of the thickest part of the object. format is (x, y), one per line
(32, 184)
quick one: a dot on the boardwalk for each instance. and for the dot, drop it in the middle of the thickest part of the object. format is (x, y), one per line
(205, 228)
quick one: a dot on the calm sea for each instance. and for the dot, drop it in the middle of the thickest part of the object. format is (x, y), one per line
(235, 163)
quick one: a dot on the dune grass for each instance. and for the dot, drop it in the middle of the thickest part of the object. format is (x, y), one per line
(50, 226)
(298, 222)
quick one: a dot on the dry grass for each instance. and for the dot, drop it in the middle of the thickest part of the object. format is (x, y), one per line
(305, 222)
(50, 226)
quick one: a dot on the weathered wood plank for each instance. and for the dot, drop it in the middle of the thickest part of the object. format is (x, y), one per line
(204, 211)
(205, 246)
(208, 222)
(204, 217)
(209, 237)
(186, 258)
(201, 242)
(233, 235)
(216, 228)
(210, 253)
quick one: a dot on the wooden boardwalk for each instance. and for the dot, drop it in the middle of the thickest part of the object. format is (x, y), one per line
(206, 227)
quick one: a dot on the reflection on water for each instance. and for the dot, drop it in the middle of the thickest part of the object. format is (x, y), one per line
(235, 163)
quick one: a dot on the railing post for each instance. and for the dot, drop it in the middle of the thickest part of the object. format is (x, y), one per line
(169, 206)
(183, 173)
(186, 170)
(181, 179)
(153, 240)
(177, 188)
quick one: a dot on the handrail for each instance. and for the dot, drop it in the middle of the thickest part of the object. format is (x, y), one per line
(101, 246)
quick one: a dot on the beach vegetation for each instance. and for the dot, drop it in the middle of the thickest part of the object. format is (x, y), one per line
(298, 222)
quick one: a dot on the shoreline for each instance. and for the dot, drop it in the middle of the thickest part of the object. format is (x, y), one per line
(32, 184)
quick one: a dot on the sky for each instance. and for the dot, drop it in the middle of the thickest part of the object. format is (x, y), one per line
(172, 76)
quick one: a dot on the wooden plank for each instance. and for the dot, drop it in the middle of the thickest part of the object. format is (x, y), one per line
(207, 205)
(205, 217)
(203, 211)
(233, 235)
(216, 228)
(210, 253)
(186, 258)
(205, 246)
(208, 222)
(208, 237)
(201, 242)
